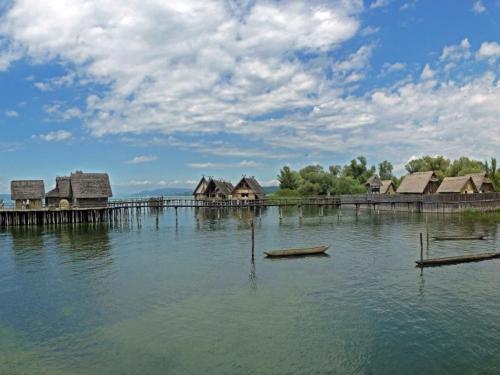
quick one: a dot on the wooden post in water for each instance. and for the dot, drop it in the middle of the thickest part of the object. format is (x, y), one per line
(427, 240)
(421, 247)
(253, 238)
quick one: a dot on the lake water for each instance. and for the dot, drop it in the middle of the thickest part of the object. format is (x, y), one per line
(186, 298)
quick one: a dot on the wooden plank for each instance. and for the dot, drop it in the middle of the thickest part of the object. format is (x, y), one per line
(456, 259)
(458, 238)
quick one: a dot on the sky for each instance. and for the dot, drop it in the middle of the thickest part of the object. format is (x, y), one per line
(158, 93)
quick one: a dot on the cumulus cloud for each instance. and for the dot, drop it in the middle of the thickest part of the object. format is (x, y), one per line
(379, 4)
(489, 50)
(427, 72)
(55, 136)
(142, 159)
(458, 52)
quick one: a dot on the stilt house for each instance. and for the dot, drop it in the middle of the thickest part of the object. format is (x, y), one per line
(90, 189)
(373, 185)
(201, 189)
(219, 189)
(60, 196)
(388, 187)
(457, 185)
(419, 183)
(28, 194)
(482, 182)
(248, 189)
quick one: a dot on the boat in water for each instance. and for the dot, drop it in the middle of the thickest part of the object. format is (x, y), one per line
(297, 252)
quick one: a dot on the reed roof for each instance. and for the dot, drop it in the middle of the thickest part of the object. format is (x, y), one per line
(455, 184)
(198, 189)
(416, 183)
(374, 181)
(90, 185)
(224, 187)
(62, 189)
(253, 184)
(480, 179)
(27, 189)
(386, 184)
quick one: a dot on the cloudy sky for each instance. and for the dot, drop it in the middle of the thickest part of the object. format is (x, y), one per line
(160, 92)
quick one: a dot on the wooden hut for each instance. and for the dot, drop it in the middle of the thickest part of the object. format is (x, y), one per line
(28, 194)
(200, 192)
(373, 185)
(218, 189)
(60, 196)
(483, 182)
(419, 183)
(388, 187)
(248, 189)
(90, 189)
(457, 185)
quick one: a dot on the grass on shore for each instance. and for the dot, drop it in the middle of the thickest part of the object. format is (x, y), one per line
(492, 216)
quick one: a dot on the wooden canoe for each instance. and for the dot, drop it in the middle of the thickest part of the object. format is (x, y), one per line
(458, 238)
(456, 259)
(296, 252)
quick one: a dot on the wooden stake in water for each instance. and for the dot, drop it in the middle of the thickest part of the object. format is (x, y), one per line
(253, 238)
(427, 240)
(421, 247)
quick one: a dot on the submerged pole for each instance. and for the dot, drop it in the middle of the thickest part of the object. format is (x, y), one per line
(253, 238)
(427, 240)
(421, 247)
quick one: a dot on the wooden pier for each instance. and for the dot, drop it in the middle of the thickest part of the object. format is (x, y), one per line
(117, 210)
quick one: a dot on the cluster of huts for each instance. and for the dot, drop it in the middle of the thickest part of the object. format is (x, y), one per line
(428, 183)
(79, 189)
(248, 188)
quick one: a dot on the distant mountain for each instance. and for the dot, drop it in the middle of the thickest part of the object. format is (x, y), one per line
(270, 189)
(164, 192)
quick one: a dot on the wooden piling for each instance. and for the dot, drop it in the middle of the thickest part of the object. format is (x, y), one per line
(253, 238)
(421, 248)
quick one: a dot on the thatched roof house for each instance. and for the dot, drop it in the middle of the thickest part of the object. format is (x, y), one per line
(200, 190)
(248, 189)
(219, 189)
(457, 185)
(388, 187)
(482, 182)
(27, 193)
(90, 189)
(61, 193)
(419, 183)
(373, 184)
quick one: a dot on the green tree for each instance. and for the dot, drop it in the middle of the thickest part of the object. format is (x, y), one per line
(464, 165)
(358, 170)
(385, 170)
(438, 164)
(288, 179)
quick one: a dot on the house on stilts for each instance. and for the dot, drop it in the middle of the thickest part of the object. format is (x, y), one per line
(419, 183)
(248, 189)
(27, 194)
(457, 185)
(218, 189)
(200, 191)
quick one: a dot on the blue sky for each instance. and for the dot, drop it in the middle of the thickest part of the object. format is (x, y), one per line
(159, 93)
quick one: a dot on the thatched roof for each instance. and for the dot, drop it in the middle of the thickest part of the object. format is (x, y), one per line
(201, 187)
(374, 181)
(224, 187)
(416, 183)
(455, 184)
(27, 189)
(480, 179)
(62, 189)
(90, 185)
(254, 185)
(386, 184)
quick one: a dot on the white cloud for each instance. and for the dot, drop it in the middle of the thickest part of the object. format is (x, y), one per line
(142, 159)
(11, 113)
(458, 52)
(478, 7)
(427, 72)
(369, 30)
(379, 4)
(55, 136)
(210, 165)
(394, 67)
(489, 50)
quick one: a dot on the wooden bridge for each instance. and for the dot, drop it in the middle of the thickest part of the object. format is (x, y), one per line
(122, 210)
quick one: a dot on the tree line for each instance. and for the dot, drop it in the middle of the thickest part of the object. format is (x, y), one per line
(352, 177)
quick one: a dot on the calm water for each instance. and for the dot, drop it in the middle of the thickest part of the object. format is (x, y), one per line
(187, 299)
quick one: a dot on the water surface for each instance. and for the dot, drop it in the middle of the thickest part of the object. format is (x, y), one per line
(185, 297)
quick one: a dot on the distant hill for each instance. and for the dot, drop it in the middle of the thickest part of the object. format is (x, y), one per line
(177, 192)
(183, 192)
